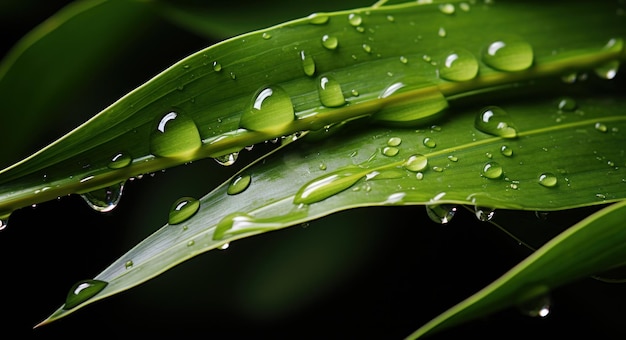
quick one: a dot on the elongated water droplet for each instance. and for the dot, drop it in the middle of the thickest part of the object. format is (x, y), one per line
(83, 291)
(548, 179)
(495, 121)
(270, 110)
(105, 199)
(412, 109)
(330, 92)
(441, 213)
(509, 55)
(239, 184)
(460, 65)
(308, 63)
(182, 209)
(328, 185)
(120, 160)
(239, 223)
(330, 42)
(175, 135)
(484, 214)
(491, 170)
(318, 18)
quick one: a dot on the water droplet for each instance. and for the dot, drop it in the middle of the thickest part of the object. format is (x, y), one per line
(367, 48)
(567, 104)
(318, 18)
(447, 8)
(227, 159)
(416, 162)
(105, 199)
(509, 55)
(453, 158)
(239, 184)
(391, 18)
(441, 213)
(129, 264)
(182, 209)
(270, 111)
(506, 151)
(607, 70)
(492, 170)
(330, 42)
(224, 246)
(390, 151)
(601, 127)
(83, 291)
(239, 223)
(495, 121)
(394, 141)
(548, 179)
(484, 214)
(175, 135)
(191, 243)
(120, 160)
(404, 59)
(411, 110)
(328, 185)
(217, 67)
(4, 220)
(460, 65)
(442, 32)
(308, 63)
(429, 142)
(537, 305)
(330, 92)
(354, 19)
(266, 35)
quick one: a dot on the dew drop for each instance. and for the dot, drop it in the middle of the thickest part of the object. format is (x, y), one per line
(447, 8)
(239, 223)
(308, 63)
(429, 142)
(330, 92)
(270, 110)
(182, 209)
(416, 162)
(484, 214)
(83, 291)
(567, 104)
(506, 151)
(354, 19)
(119, 160)
(175, 135)
(239, 184)
(227, 159)
(495, 121)
(460, 65)
(601, 127)
(129, 264)
(217, 67)
(318, 18)
(413, 110)
(4, 221)
(548, 179)
(367, 48)
(608, 70)
(441, 213)
(328, 185)
(266, 35)
(394, 141)
(509, 55)
(390, 151)
(330, 42)
(491, 170)
(404, 59)
(453, 158)
(538, 305)
(105, 199)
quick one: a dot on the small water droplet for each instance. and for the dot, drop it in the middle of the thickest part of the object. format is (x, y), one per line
(355, 19)
(491, 170)
(390, 151)
(391, 18)
(429, 142)
(120, 160)
(191, 243)
(175, 135)
(442, 32)
(537, 306)
(105, 199)
(308, 63)
(83, 291)
(217, 67)
(227, 159)
(460, 65)
(495, 121)
(270, 110)
(404, 59)
(394, 141)
(441, 213)
(239, 223)
(239, 184)
(567, 104)
(509, 55)
(318, 18)
(328, 185)
(416, 162)
(330, 42)
(367, 48)
(484, 214)
(453, 158)
(224, 246)
(129, 264)
(506, 151)
(182, 209)
(447, 8)
(266, 35)
(548, 179)
(601, 127)
(330, 92)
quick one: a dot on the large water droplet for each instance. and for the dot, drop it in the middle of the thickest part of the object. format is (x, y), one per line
(175, 135)
(330, 92)
(120, 160)
(105, 199)
(548, 179)
(415, 163)
(491, 170)
(460, 65)
(509, 55)
(330, 42)
(441, 213)
(182, 209)
(239, 184)
(495, 121)
(270, 110)
(409, 109)
(83, 291)
(328, 185)
(308, 63)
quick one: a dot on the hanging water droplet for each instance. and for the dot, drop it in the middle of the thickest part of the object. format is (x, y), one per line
(217, 67)
(509, 55)
(429, 142)
(495, 121)
(355, 19)
(484, 214)
(175, 135)
(607, 70)
(308, 63)
(506, 151)
(182, 209)
(4, 221)
(227, 159)
(83, 291)
(330, 42)
(416, 162)
(567, 104)
(224, 246)
(120, 160)
(548, 179)
(328, 185)
(491, 170)
(538, 305)
(441, 213)
(460, 65)
(270, 110)
(330, 92)
(239, 184)
(105, 199)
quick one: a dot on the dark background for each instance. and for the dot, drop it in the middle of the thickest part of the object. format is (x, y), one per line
(376, 273)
